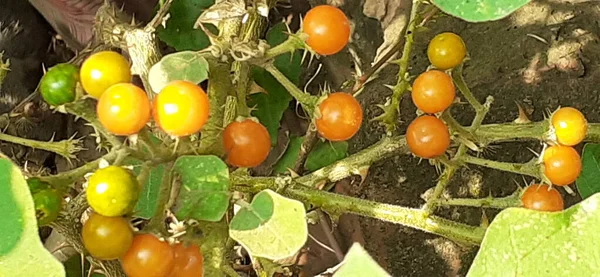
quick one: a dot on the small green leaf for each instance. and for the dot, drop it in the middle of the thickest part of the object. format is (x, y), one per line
(179, 32)
(326, 153)
(270, 106)
(479, 10)
(204, 193)
(522, 242)
(148, 201)
(272, 226)
(21, 250)
(186, 65)
(288, 160)
(358, 263)
(588, 182)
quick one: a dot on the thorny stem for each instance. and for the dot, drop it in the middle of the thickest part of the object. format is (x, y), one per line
(293, 42)
(85, 108)
(379, 65)
(391, 110)
(481, 112)
(339, 204)
(67, 178)
(531, 168)
(489, 202)
(309, 142)
(65, 148)
(164, 194)
(308, 101)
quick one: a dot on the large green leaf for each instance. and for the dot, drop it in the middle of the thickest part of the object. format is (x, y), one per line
(185, 65)
(204, 193)
(179, 32)
(21, 250)
(358, 263)
(148, 201)
(588, 182)
(270, 106)
(522, 242)
(272, 226)
(479, 10)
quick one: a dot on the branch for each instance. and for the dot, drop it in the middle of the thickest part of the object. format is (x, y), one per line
(67, 178)
(489, 202)
(112, 28)
(64, 148)
(307, 101)
(531, 168)
(391, 109)
(85, 108)
(339, 204)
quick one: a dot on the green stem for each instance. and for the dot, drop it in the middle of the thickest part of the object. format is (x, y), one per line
(390, 115)
(351, 165)
(464, 89)
(308, 101)
(490, 202)
(455, 126)
(218, 88)
(65, 148)
(531, 168)
(339, 204)
(164, 193)
(292, 43)
(67, 178)
(86, 109)
(481, 112)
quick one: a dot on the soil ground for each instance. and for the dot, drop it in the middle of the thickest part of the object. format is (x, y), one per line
(507, 62)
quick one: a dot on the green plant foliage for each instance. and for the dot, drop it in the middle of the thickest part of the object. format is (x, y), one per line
(272, 226)
(21, 251)
(204, 193)
(326, 153)
(479, 10)
(185, 65)
(588, 182)
(323, 154)
(288, 159)
(522, 242)
(270, 106)
(358, 263)
(148, 201)
(179, 32)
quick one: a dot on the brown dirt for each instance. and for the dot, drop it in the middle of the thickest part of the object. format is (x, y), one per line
(503, 64)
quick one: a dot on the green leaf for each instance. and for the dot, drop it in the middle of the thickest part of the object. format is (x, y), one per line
(204, 193)
(522, 242)
(148, 201)
(270, 106)
(588, 182)
(272, 226)
(323, 154)
(479, 10)
(185, 65)
(358, 263)
(179, 32)
(326, 153)
(288, 160)
(21, 250)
